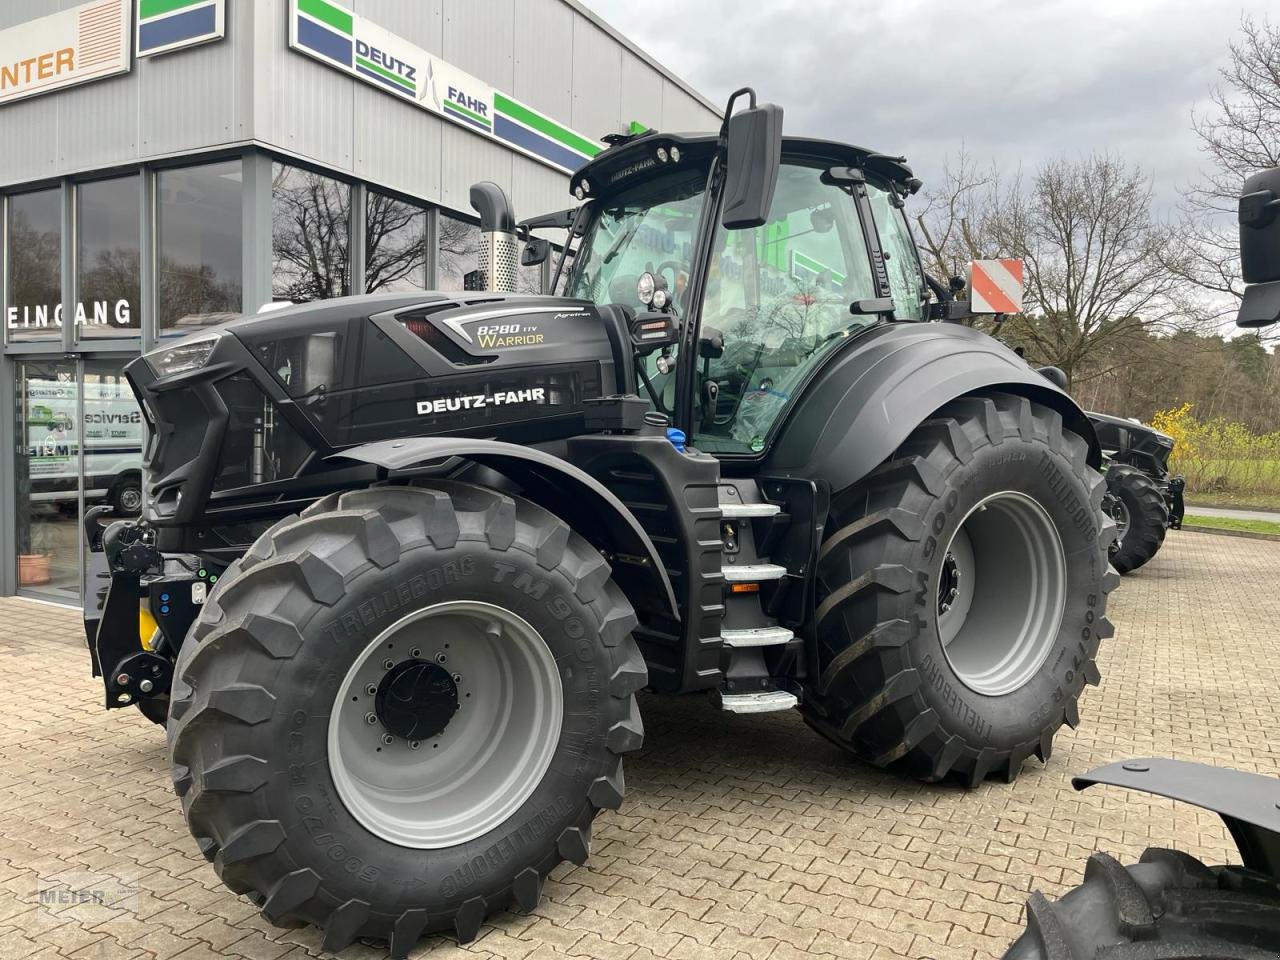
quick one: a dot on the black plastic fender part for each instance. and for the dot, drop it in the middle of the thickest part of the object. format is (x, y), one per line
(865, 401)
(555, 484)
(1248, 803)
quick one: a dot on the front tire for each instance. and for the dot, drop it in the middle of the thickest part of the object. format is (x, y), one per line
(1170, 906)
(962, 595)
(1141, 515)
(300, 810)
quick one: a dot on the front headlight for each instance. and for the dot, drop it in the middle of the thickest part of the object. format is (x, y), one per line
(645, 287)
(182, 356)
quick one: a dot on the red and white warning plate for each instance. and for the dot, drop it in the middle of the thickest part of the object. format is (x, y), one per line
(995, 286)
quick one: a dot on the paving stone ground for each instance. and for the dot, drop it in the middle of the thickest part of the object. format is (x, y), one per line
(740, 836)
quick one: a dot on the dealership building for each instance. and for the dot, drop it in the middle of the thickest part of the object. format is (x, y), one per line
(166, 164)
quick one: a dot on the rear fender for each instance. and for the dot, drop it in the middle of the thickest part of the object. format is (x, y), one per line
(556, 485)
(869, 397)
(1248, 803)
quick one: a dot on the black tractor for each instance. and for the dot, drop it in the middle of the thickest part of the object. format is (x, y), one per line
(1142, 498)
(1170, 904)
(405, 560)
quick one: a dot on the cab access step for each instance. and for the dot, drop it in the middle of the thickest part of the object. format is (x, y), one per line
(753, 640)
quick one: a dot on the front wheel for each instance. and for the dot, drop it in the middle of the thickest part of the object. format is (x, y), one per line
(400, 711)
(962, 595)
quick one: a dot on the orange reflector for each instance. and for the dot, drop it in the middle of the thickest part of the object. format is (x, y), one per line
(744, 588)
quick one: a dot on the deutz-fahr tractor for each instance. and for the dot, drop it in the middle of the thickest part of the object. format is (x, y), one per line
(1142, 498)
(1171, 905)
(406, 560)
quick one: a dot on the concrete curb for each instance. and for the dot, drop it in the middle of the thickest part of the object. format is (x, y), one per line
(1246, 534)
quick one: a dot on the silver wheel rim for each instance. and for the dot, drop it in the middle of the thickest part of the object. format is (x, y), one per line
(1000, 612)
(488, 759)
(131, 499)
(1118, 511)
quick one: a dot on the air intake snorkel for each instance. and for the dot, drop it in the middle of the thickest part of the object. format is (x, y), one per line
(499, 249)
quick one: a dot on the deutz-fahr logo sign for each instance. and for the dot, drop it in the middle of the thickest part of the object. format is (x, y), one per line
(343, 39)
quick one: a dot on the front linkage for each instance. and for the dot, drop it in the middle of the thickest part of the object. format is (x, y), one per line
(146, 607)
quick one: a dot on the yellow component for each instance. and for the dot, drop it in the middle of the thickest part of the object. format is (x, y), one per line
(147, 626)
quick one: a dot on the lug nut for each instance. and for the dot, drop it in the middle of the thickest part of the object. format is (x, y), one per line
(122, 679)
(416, 653)
(414, 744)
(441, 658)
(388, 663)
(457, 678)
(371, 689)
(371, 718)
(146, 686)
(388, 739)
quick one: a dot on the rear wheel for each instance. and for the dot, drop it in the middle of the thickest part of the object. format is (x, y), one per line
(1170, 905)
(401, 710)
(1138, 507)
(962, 594)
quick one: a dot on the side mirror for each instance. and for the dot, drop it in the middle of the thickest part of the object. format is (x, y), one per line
(753, 140)
(1259, 218)
(536, 250)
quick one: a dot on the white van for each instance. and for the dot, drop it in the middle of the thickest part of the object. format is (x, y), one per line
(112, 432)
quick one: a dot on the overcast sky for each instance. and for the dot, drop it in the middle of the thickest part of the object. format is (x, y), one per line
(1015, 82)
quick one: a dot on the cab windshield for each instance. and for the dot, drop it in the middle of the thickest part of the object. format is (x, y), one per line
(646, 229)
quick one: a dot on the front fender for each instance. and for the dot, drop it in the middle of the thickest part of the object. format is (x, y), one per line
(1248, 803)
(557, 485)
(868, 398)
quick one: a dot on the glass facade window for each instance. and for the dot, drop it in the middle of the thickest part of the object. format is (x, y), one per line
(109, 302)
(310, 235)
(458, 254)
(48, 474)
(34, 306)
(395, 245)
(199, 241)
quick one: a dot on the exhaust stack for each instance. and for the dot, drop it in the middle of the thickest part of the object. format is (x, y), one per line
(499, 248)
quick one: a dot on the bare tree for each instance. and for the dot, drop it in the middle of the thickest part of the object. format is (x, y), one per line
(1094, 269)
(950, 223)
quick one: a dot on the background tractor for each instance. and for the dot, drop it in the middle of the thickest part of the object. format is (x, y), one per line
(405, 560)
(1142, 498)
(1170, 905)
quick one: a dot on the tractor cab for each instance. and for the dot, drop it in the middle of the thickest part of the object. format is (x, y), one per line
(755, 305)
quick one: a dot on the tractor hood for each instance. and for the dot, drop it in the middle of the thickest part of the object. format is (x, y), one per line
(267, 398)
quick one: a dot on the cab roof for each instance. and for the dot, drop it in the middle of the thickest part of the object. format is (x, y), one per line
(629, 159)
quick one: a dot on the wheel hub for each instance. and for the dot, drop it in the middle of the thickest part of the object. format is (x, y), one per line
(416, 700)
(948, 583)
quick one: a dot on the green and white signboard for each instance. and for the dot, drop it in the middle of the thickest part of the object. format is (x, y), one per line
(340, 38)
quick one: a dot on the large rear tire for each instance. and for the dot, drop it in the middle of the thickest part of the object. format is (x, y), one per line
(962, 595)
(1170, 906)
(401, 710)
(1138, 507)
